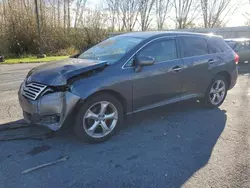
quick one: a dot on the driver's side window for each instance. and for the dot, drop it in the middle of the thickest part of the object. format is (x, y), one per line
(161, 50)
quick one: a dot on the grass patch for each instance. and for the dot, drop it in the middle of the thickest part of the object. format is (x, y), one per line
(33, 59)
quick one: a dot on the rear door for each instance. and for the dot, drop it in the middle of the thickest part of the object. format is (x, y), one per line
(196, 58)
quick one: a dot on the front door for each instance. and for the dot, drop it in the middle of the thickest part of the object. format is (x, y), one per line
(160, 83)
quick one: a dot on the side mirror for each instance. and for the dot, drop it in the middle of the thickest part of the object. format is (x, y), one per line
(143, 61)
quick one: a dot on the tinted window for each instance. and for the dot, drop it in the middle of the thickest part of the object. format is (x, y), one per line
(242, 45)
(193, 46)
(218, 45)
(130, 63)
(231, 44)
(247, 43)
(163, 50)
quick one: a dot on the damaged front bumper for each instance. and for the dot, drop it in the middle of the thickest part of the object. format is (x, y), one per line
(50, 110)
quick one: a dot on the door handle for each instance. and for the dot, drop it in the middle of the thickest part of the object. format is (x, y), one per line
(211, 61)
(177, 69)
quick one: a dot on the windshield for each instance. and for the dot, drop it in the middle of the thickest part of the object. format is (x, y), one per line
(112, 49)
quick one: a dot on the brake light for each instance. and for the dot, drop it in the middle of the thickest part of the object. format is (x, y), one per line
(236, 58)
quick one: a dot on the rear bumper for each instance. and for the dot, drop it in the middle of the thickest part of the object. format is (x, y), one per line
(234, 76)
(50, 110)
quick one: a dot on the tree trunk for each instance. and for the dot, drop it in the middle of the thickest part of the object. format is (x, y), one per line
(68, 15)
(41, 13)
(77, 13)
(64, 16)
(58, 12)
(4, 14)
(82, 10)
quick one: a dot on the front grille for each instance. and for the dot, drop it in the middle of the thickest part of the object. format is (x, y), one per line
(33, 90)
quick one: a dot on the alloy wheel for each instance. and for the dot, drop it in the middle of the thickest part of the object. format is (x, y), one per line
(217, 92)
(100, 119)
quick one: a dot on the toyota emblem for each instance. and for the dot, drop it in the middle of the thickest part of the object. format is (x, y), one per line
(28, 79)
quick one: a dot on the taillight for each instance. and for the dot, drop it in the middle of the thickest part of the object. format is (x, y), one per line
(236, 58)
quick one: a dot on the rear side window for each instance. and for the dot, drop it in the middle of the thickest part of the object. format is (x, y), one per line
(193, 46)
(163, 50)
(218, 45)
(231, 44)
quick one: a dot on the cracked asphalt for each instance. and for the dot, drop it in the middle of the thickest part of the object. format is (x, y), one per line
(181, 145)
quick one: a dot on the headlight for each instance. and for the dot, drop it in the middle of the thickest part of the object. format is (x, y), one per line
(53, 89)
(47, 91)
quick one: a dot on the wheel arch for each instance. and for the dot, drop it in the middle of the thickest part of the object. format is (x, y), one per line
(226, 75)
(115, 94)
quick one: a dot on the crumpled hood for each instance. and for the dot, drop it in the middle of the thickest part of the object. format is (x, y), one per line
(57, 73)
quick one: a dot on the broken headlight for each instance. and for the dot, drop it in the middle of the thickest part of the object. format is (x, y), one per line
(53, 89)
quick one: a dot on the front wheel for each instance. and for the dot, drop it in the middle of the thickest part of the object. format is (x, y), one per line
(216, 92)
(99, 118)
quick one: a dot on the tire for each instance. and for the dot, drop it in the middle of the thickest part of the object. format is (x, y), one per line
(90, 115)
(208, 98)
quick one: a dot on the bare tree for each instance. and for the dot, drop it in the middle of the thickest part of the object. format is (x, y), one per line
(113, 9)
(59, 12)
(80, 6)
(42, 12)
(82, 10)
(69, 14)
(4, 13)
(247, 17)
(19, 35)
(53, 11)
(214, 11)
(64, 14)
(145, 9)
(163, 7)
(185, 13)
(129, 11)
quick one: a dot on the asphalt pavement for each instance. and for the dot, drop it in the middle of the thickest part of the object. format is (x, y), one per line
(11, 77)
(181, 145)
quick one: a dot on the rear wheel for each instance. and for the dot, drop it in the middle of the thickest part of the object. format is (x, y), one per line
(216, 92)
(99, 118)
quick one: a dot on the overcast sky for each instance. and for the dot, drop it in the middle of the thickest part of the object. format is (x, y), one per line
(236, 20)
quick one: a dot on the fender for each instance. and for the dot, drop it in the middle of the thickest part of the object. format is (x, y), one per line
(88, 84)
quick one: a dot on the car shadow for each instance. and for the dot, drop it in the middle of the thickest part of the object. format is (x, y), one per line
(20, 130)
(163, 147)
